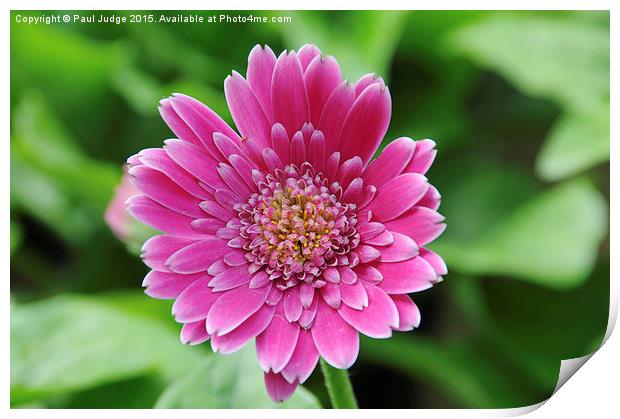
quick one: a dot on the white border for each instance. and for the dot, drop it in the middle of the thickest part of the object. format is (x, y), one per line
(593, 391)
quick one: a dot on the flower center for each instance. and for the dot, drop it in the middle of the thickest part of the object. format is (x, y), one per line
(296, 226)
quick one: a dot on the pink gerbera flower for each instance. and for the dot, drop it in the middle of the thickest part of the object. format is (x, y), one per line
(288, 231)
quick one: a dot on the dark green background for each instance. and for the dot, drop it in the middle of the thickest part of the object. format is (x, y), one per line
(518, 103)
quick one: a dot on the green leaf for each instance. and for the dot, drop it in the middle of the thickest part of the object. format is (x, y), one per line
(363, 42)
(135, 393)
(532, 347)
(576, 142)
(141, 91)
(457, 370)
(229, 381)
(36, 194)
(16, 236)
(551, 240)
(70, 67)
(45, 145)
(146, 91)
(566, 60)
(68, 343)
(497, 190)
(552, 324)
(562, 59)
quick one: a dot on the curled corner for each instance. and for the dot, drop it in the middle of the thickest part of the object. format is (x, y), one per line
(568, 367)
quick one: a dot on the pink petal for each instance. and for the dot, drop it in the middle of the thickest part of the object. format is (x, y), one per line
(368, 274)
(158, 159)
(160, 218)
(391, 162)
(234, 307)
(298, 149)
(236, 242)
(431, 199)
(244, 169)
(331, 165)
(398, 195)
(156, 250)
(280, 142)
(413, 275)
(230, 278)
(198, 256)
(347, 275)
(272, 161)
(366, 123)
(164, 191)
(408, 313)
(217, 211)
(176, 124)
(435, 261)
(369, 195)
(234, 181)
(376, 320)
(303, 361)
(403, 248)
(167, 285)
(227, 146)
(330, 274)
(423, 157)
(307, 53)
(365, 81)
(331, 295)
(322, 76)
(316, 150)
(278, 388)
(370, 230)
(274, 296)
(195, 301)
(308, 314)
(367, 253)
(333, 115)
(336, 341)
(227, 233)
(259, 279)
(207, 225)
(276, 344)
(350, 170)
(420, 223)
(246, 111)
(217, 268)
(201, 119)
(226, 198)
(288, 93)
(261, 63)
(249, 329)
(354, 295)
(235, 258)
(195, 161)
(354, 192)
(194, 333)
(384, 239)
(292, 304)
(306, 294)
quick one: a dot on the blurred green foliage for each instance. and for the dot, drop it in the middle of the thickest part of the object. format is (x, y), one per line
(518, 103)
(234, 381)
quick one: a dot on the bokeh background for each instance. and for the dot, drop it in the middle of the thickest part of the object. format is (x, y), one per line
(518, 103)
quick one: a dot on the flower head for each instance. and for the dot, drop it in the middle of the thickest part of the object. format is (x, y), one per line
(287, 231)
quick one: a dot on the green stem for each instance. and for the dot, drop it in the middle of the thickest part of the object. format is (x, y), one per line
(338, 387)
